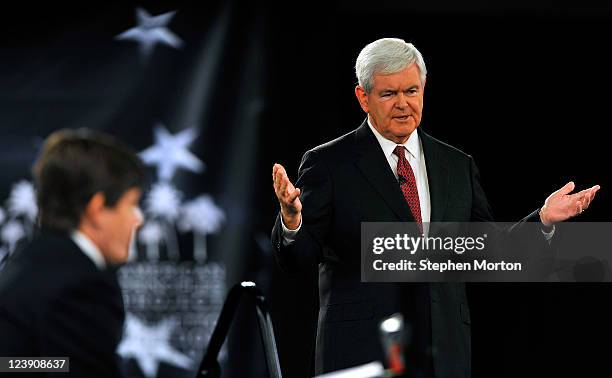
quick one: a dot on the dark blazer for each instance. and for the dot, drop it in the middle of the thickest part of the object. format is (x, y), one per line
(54, 302)
(348, 181)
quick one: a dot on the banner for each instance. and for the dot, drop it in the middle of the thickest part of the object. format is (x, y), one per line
(184, 88)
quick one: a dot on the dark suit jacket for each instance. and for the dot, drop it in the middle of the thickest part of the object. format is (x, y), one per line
(54, 302)
(348, 181)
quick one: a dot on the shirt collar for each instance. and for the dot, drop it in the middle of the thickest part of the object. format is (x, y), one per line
(89, 248)
(388, 146)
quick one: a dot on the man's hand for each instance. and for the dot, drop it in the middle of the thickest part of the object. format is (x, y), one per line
(288, 197)
(561, 205)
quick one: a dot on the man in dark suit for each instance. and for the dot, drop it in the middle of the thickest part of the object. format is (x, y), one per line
(59, 297)
(387, 170)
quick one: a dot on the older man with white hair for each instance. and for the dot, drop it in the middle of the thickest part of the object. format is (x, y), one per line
(388, 170)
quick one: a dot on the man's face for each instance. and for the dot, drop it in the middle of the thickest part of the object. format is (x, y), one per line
(118, 223)
(395, 104)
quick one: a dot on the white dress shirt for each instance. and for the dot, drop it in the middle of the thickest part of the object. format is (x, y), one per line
(88, 248)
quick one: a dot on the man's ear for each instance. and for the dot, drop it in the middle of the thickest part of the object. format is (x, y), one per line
(94, 209)
(362, 97)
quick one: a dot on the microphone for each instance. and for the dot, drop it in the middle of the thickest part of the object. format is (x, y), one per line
(402, 180)
(395, 335)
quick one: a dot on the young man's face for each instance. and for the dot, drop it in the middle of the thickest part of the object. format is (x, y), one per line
(117, 225)
(395, 104)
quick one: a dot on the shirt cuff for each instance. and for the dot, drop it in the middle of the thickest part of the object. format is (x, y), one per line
(548, 235)
(289, 235)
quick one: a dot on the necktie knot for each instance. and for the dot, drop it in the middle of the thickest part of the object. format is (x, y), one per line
(399, 151)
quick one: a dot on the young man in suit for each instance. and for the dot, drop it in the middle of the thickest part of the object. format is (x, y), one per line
(59, 297)
(387, 170)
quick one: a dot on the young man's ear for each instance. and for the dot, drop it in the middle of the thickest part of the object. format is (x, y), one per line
(94, 209)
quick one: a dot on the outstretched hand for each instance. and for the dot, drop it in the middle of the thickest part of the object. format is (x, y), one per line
(561, 205)
(288, 197)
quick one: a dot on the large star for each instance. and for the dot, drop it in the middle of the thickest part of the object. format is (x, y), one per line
(150, 31)
(150, 345)
(170, 152)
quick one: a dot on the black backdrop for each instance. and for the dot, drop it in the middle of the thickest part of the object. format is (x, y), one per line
(522, 87)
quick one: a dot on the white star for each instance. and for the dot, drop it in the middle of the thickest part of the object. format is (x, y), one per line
(170, 152)
(11, 233)
(150, 345)
(151, 233)
(201, 215)
(150, 31)
(164, 201)
(22, 201)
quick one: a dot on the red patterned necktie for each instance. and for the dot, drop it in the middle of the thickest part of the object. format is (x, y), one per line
(408, 185)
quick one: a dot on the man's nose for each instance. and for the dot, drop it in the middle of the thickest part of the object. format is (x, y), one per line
(138, 217)
(402, 101)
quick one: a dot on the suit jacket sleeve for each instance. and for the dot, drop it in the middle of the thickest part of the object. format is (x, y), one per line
(481, 210)
(316, 185)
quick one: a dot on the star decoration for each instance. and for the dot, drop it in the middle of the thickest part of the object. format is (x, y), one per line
(22, 201)
(151, 233)
(11, 233)
(150, 31)
(201, 215)
(150, 345)
(164, 201)
(170, 152)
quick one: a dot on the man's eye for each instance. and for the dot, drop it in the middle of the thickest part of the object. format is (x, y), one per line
(386, 94)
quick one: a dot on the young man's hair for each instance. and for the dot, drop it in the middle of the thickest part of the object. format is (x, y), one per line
(76, 164)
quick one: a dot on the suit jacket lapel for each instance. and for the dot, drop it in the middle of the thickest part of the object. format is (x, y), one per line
(372, 162)
(437, 176)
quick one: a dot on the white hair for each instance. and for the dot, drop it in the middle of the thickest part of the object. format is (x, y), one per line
(386, 56)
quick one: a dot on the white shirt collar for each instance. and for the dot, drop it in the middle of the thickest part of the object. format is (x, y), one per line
(412, 144)
(89, 248)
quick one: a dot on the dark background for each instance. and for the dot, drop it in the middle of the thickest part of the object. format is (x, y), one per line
(523, 87)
